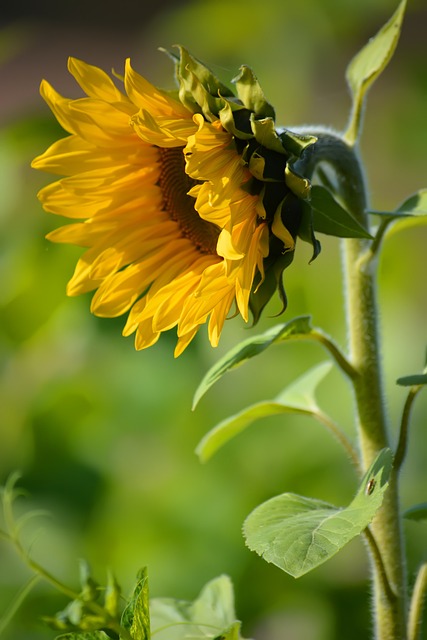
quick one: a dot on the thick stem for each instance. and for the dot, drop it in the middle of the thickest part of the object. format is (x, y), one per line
(362, 317)
(364, 356)
(417, 603)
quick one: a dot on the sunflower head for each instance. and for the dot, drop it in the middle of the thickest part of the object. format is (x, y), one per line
(268, 152)
(188, 203)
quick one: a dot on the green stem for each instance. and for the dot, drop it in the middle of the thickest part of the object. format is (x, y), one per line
(96, 608)
(336, 353)
(378, 559)
(364, 356)
(341, 437)
(17, 601)
(404, 428)
(417, 603)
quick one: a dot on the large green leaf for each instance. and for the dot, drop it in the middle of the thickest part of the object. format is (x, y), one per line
(331, 218)
(249, 348)
(368, 64)
(297, 534)
(297, 398)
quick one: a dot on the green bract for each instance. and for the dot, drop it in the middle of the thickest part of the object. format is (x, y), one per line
(288, 203)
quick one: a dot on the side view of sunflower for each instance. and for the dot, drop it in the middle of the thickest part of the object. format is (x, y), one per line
(186, 201)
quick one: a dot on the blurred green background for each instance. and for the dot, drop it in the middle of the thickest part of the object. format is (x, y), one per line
(103, 435)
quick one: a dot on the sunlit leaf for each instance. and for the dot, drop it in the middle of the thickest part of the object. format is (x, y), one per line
(417, 512)
(368, 64)
(415, 204)
(89, 588)
(252, 347)
(297, 534)
(330, 218)
(211, 615)
(413, 210)
(296, 398)
(215, 603)
(136, 617)
(112, 596)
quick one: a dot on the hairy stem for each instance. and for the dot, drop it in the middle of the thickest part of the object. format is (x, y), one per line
(335, 352)
(342, 439)
(364, 356)
(417, 603)
(404, 428)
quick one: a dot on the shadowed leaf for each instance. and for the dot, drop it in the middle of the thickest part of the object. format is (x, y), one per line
(418, 512)
(330, 218)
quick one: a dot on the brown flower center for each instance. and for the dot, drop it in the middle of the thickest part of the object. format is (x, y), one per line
(175, 184)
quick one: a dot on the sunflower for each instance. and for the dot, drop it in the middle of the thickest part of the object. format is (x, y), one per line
(186, 201)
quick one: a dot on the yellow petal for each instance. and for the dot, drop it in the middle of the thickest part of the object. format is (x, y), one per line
(94, 82)
(146, 96)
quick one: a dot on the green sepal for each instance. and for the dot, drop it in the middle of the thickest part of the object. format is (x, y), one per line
(136, 616)
(298, 534)
(199, 88)
(272, 282)
(266, 135)
(257, 166)
(331, 218)
(417, 513)
(368, 64)
(265, 164)
(295, 143)
(306, 230)
(298, 327)
(300, 186)
(297, 398)
(251, 94)
(232, 115)
(209, 105)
